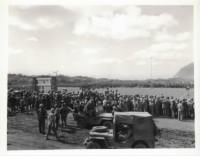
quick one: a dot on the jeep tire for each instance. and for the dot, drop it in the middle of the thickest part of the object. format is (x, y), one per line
(93, 145)
(140, 145)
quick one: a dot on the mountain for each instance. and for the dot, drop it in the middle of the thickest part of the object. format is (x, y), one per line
(187, 72)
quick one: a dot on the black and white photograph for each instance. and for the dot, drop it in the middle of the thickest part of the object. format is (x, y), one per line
(100, 77)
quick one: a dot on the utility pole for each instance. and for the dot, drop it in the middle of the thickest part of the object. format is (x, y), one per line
(56, 72)
(151, 68)
(55, 83)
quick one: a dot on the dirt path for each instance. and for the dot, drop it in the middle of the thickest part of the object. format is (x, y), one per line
(23, 134)
(174, 124)
(175, 133)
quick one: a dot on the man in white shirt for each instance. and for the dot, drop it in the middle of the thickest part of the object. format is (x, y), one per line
(180, 110)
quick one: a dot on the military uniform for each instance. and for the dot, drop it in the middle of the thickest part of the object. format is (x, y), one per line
(41, 119)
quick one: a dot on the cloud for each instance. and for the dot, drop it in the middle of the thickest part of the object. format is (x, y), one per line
(107, 61)
(162, 51)
(15, 51)
(181, 46)
(41, 22)
(34, 39)
(48, 23)
(121, 24)
(92, 39)
(17, 22)
(89, 51)
(72, 43)
(183, 36)
(165, 36)
(165, 46)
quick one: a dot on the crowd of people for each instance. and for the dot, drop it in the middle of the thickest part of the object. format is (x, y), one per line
(92, 102)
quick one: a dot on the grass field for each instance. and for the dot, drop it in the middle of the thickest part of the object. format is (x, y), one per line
(176, 92)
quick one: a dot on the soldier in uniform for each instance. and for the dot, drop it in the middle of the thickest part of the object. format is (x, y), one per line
(172, 107)
(57, 114)
(22, 105)
(63, 113)
(158, 106)
(146, 104)
(41, 118)
(164, 111)
(185, 106)
(180, 110)
(167, 106)
(191, 108)
(151, 106)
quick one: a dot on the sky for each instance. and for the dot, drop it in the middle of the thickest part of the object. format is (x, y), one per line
(119, 42)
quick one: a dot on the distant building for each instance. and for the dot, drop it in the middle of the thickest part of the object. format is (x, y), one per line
(44, 84)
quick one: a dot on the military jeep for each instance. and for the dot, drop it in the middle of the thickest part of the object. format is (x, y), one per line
(130, 130)
(85, 121)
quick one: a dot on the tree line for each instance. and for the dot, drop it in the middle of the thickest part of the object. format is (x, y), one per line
(19, 80)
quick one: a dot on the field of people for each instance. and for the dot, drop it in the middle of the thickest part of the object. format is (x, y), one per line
(175, 92)
(23, 134)
(174, 116)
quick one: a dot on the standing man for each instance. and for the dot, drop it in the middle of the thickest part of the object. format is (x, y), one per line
(63, 113)
(191, 108)
(22, 104)
(185, 107)
(180, 110)
(167, 105)
(146, 104)
(173, 107)
(52, 123)
(158, 106)
(57, 114)
(41, 118)
(151, 106)
(164, 111)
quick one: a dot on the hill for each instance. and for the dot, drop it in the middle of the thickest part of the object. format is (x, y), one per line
(187, 72)
(18, 80)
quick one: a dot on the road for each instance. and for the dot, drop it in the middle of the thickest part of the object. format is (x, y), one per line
(175, 134)
(174, 124)
(23, 134)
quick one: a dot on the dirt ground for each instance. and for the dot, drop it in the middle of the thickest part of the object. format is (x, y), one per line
(23, 134)
(175, 134)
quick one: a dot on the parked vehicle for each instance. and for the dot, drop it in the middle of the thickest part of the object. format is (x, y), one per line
(130, 130)
(85, 121)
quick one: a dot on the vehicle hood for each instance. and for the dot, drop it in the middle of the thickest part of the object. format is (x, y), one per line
(106, 115)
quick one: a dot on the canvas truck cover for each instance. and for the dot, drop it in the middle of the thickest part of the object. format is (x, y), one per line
(128, 117)
(141, 121)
